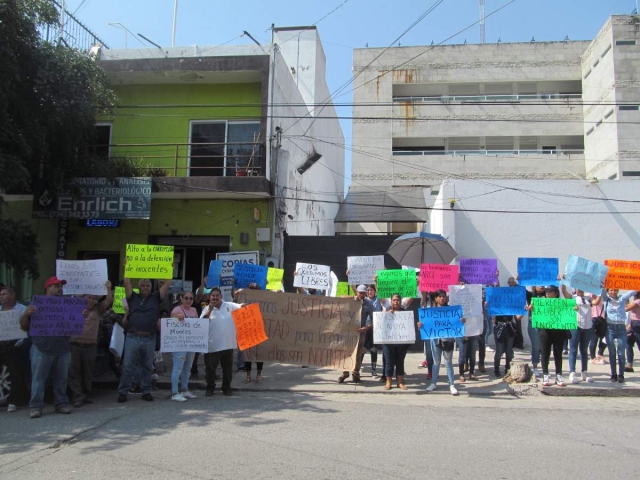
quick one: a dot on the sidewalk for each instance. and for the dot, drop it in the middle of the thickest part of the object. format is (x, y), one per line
(291, 378)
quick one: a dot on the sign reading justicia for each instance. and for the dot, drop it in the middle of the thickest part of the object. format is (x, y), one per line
(124, 198)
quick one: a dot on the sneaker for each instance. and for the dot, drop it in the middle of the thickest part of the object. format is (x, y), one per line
(189, 395)
(35, 413)
(560, 381)
(431, 387)
(453, 390)
(545, 381)
(613, 378)
(208, 393)
(573, 378)
(489, 349)
(496, 373)
(565, 352)
(122, 398)
(620, 378)
(374, 373)
(11, 408)
(147, 397)
(536, 372)
(422, 364)
(586, 378)
(178, 398)
(64, 409)
(628, 368)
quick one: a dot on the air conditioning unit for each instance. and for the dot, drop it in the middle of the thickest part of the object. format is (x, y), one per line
(263, 234)
(273, 262)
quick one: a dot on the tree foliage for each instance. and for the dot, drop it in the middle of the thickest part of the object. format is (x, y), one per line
(48, 98)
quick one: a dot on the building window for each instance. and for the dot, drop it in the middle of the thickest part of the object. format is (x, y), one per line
(625, 42)
(586, 75)
(596, 64)
(606, 51)
(101, 140)
(609, 113)
(590, 131)
(632, 173)
(628, 107)
(612, 177)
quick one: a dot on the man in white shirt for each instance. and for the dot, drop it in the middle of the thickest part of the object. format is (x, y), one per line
(222, 340)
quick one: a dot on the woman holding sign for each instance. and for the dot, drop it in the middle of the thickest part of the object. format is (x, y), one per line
(182, 360)
(395, 354)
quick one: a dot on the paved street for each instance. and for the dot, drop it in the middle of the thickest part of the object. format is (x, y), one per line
(326, 435)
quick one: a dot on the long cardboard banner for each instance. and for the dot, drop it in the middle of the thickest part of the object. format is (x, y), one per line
(310, 330)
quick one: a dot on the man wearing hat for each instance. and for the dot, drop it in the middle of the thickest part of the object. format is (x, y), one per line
(366, 323)
(48, 354)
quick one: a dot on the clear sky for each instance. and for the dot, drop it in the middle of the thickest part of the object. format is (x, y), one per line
(353, 24)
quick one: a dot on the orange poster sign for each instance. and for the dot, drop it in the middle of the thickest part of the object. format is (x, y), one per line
(249, 326)
(623, 275)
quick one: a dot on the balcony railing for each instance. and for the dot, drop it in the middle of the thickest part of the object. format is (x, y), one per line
(496, 153)
(490, 98)
(241, 159)
(73, 33)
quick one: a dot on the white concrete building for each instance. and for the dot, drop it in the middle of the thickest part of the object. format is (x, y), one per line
(539, 110)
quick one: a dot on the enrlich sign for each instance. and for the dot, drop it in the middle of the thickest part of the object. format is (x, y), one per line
(123, 198)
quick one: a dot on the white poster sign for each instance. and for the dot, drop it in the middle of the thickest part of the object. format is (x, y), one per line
(116, 346)
(10, 325)
(229, 261)
(393, 328)
(190, 335)
(83, 276)
(333, 285)
(309, 275)
(470, 298)
(362, 270)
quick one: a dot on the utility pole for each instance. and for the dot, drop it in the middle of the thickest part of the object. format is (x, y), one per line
(482, 30)
(175, 18)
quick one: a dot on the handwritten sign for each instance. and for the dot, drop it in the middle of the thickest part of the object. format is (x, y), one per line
(397, 281)
(118, 294)
(190, 335)
(622, 275)
(249, 326)
(149, 261)
(506, 300)
(469, 297)
(344, 289)
(229, 261)
(441, 322)
(274, 278)
(309, 275)
(57, 316)
(538, 271)
(437, 277)
(554, 313)
(480, 271)
(10, 325)
(308, 330)
(244, 274)
(362, 270)
(584, 274)
(214, 273)
(393, 328)
(83, 276)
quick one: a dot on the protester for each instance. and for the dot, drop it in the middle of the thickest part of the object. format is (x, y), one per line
(48, 354)
(534, 333)
(614, 307)
(182, 360)
(259, 365)
(12, 352)
(580, 337)
(633, 313)
(84, 349)
(427, 302)
(504, 331)
(366, 324)
(395, 354)
(376, 306)
(518, 339)
(222, 341)
(140, 341)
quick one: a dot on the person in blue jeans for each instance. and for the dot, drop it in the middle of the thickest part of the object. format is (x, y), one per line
(633, 329)
(581, 337)
(182, 360)
(616, 329)
(534, 333)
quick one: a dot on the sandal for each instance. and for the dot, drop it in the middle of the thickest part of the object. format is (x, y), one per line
(472, 377)
(247, 379)
(258, 378)
(462, 379)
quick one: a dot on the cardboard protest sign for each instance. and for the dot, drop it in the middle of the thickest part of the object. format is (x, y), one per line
(393, 328)
(214, 273)
(249, 326)
(57, 316)
(469, 297)
(190, 335)
(506, 301)
(229, 261)
(362, 270)
(554, 313)
(309, 275)
(244, 274)
(584, 274)
(119, 293)
(10, 325)
(397, 281)
(622, 275)
(479, 271)
(149, 261)
(344, 289)
(441, 322)
(437, 277)
(274, 278)
(536, 271)
(308, 330)
(83, 276)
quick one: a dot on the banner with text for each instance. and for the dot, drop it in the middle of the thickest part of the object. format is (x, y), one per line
(214, 273)
(397, 281)
(309, 275)
(506, 300)
(274, 278)
(245, 274)
(119, 294)
(469, 297)
(190, 335)
(622, 275)
(83, 276)
(554, 313)
(229, 261)
(441, 322)
(57, 316)
(344, 289)
(479, 271)
(310, 330)
(10, 325)
(434, 276)
(535, 271)
(362, 270)
(393, 328)
(149, 261)
(584, 274)
(249, 326)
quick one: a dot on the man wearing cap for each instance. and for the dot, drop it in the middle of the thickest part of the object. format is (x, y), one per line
(48, 354)
(366, 323)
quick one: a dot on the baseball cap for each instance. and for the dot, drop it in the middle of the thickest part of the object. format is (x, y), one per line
(52, 281)
(361, 288)
(552, 288)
